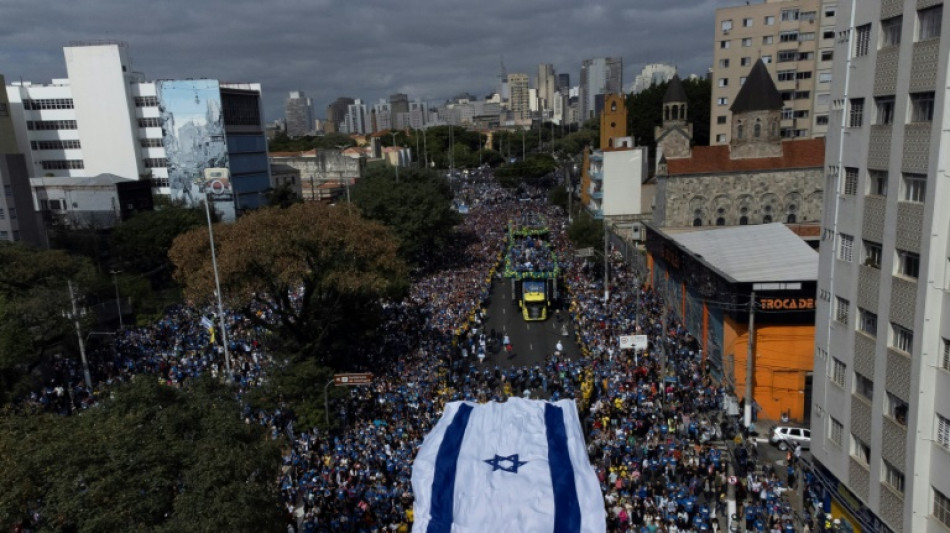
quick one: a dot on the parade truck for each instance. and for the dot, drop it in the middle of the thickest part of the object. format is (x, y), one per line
(531, 265)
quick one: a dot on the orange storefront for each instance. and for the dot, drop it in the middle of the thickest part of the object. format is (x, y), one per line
(709, 276)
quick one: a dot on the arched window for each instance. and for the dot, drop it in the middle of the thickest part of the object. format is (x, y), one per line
(743, 220)
(739, 129)
(720, 221)
(757, 130)
(773, 129)
(666, 112)
(767, 219)
(613, 106)
(792, 218)
(697, 221)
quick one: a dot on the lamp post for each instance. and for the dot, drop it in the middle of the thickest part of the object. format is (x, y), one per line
(425, 147)
(75, 314)
(118, 301)
(217, 287)
(393, 133)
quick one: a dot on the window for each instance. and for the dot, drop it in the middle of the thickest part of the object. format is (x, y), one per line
(721, 119)
(945, 362)
(830, 11)
(789, 36)
(885, 109)
(784, 56)
(48, 103)
(862, 40)
(891, 31)
(789, 14)
(747, 22)
(845, 247)
(62, 164)
(808, 16)
(828, 34)
(770, 20)
(159, 182)
(922, 107)
(724, 44)
(842, 308)
(915, 187)
(806, 75)
(150, 122)
(802, 95)
(872, 254)
(850, 181)
(50, 125)
(943, 431)
(767, 59)
(856, 113)
(785, 75)
(726, 25)
(941, 508)
(860, 450)
(908, 264)
(146, 101)
(12, 213)
(835, 429)
(722, 100)
(150, 143)
(55, 145)
(806, 36)
(723, 63)
(747, 42)
(838, 369)
(928, 23)
(156, 162)
(821, 120)
(867, 322)
(863, 386)
(745, 61)
(827, 55)
(902, 338)
(892, 477)
(768, 39)
(723, 82)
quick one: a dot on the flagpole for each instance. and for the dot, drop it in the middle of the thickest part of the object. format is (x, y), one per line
(217, 286)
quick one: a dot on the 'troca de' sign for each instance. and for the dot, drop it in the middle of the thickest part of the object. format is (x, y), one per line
(782, 304)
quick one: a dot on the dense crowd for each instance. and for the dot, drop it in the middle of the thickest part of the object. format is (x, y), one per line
(653, 429)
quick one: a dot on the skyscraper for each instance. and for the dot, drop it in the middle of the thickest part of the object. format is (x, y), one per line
(336, 114)
(547, 86)
(18, 222)
(880, 434)
(602, 75)
(519, 102)
(298, 113)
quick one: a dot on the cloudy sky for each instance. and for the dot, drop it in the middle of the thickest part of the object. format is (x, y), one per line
(428, 49)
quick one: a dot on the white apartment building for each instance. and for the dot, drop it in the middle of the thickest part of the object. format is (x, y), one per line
(105, 118)
(881, 400)
(652, 74)
(358, 119)
(795, 39)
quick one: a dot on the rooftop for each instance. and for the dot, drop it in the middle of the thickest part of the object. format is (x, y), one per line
(796, 153)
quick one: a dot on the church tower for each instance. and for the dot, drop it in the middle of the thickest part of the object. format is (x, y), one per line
(756, 115)
(674, 137)
(613, 120)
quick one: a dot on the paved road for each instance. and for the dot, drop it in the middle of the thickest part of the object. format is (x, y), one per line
(532, 342)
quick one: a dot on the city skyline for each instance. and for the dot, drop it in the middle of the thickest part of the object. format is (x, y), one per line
(331, 49)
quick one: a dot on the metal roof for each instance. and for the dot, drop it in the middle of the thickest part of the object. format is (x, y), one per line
(748, 254)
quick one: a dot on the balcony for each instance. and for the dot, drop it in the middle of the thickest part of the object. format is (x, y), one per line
(597, 194)
(597, 175)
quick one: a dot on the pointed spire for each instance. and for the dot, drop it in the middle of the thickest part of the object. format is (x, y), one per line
(758, 93)
(675, 91)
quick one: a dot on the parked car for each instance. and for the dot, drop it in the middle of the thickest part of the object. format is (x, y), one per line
(786, 437)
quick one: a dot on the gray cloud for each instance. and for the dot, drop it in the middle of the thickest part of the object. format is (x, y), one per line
(429, 49)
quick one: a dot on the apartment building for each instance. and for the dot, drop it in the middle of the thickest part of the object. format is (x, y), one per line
(105, 118)
(795, 39)
(520, 100)
(18, 221)
(881, 416)
(298, 113)
(599, 76)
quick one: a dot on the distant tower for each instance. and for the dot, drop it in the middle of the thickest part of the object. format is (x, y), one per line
(756, 115)
(613, 120)
(673, 138)
(298, 114)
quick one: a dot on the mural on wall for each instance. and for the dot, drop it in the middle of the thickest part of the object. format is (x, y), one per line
(193, 136)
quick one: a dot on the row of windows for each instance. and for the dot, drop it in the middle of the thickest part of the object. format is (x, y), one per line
(3, 215)
(72, 144)
(159, 182)
(48, 103)
(150, 143)
(913, 186)
(901, 338)
(63, 164)
(788, 15)
(146, 101)
(150, 122)
(36, 125)
(921, 109)
(907, 264)
(784, 56)
(792, 75)
(155, 162)
(928, 27)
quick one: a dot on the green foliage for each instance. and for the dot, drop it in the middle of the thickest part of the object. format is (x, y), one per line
(300, 384)
(151, 458)
(532, 168)
(645, 111)
(141, 243)
(558, 196)
(330, 141)
(33, 295)
(418, 209)
(283, 196)
(586, 231)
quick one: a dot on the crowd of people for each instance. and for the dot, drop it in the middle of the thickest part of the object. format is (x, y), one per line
(652, 419)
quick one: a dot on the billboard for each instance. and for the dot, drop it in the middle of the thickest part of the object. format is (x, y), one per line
(193, 135)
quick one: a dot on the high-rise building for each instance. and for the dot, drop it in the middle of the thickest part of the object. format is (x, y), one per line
(652, 74)
(880, 425)
(18, 220)
(382, 116)
(336, 114)
(563, 81)
(106, 119)
(399, 104)
(547, 87)
(519, 102)
(418, 115)
(599, 76)
(795, 39)
(357, 118)
(298, 113)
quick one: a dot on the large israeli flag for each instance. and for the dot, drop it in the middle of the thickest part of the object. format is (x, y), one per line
(519, 467)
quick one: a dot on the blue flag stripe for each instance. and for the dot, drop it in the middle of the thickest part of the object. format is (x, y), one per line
(567, 508)
(443, 480)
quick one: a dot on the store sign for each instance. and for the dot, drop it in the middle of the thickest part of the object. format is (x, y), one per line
(786, 304)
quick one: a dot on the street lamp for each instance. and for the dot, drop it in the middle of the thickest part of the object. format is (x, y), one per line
(75, 315)
(217, 286)
(118, 301)
(393, 133)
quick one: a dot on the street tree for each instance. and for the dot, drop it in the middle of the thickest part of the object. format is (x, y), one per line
(313, 274)
(151, 458)
(141, 243)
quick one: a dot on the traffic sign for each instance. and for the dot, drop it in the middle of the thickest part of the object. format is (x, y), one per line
(584, 252)
(344, 380)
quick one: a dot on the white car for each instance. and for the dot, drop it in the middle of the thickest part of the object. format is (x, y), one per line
(785, 437)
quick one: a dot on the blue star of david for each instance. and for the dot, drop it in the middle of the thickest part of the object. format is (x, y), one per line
(513, 461)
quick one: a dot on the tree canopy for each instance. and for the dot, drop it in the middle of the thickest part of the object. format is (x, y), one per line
(645, 111)
(311, 273)
(152, 458)
(33, 296)
(418, 209)
(141, 243)
(330, 141)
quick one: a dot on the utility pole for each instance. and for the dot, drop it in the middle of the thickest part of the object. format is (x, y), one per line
(217, 287)
(750, 365)
(74, 315)
(118, 301)
(606, 268)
